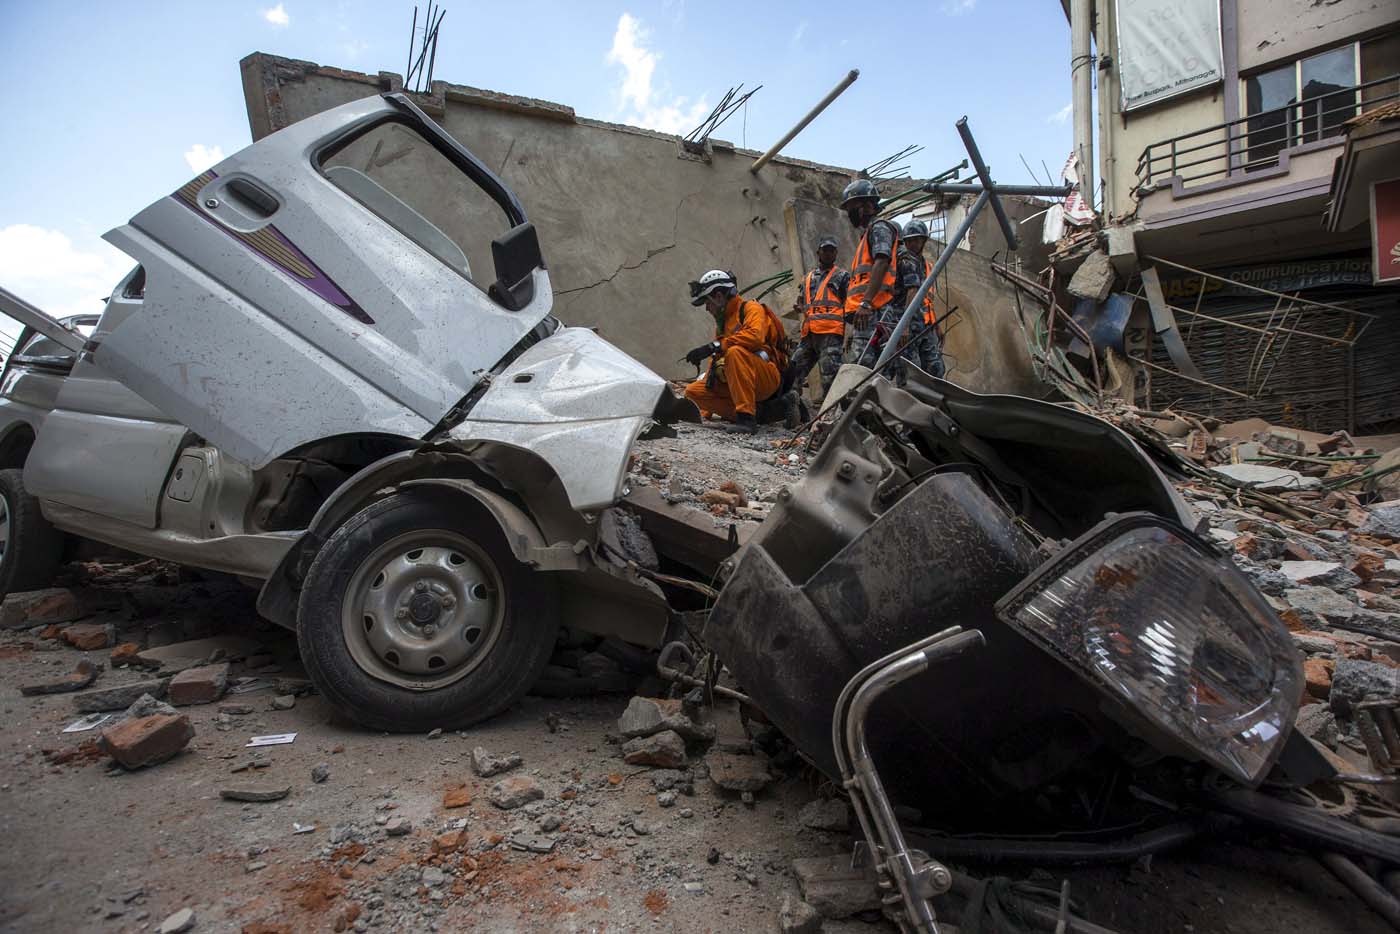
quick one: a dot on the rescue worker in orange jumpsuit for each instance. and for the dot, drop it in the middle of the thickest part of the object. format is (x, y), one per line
(746, 350)
(821, 303)
(874, 297)
(912, 268)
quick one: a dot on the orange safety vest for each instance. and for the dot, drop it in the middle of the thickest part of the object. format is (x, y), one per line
(930, 316)
(861, 265)
(824, 313)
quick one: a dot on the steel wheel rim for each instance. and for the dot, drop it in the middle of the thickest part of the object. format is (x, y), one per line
(423, 609)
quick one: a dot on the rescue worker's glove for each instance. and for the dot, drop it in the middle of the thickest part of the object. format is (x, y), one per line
(702, 352)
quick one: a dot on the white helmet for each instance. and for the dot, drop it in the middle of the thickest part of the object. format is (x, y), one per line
(714, 279)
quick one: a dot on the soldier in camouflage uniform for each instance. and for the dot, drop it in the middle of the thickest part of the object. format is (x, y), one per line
(821, 302)
(925, 350)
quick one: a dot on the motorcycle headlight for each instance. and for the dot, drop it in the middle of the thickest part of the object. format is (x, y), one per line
(1142, 608)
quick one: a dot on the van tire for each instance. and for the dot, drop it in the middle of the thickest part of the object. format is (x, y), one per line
(353, 674)
(33, 549)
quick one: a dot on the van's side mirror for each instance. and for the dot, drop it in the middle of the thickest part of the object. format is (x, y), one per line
(516, 256)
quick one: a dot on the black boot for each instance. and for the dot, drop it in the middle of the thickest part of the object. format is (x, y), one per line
(744, 424)
(792, 410)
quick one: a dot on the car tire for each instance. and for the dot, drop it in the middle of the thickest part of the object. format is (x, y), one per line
(363, 648)
(31, 549)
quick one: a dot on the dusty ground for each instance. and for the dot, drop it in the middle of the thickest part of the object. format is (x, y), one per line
(90, 847)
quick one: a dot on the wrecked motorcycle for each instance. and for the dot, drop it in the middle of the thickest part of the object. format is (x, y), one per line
(991, 615)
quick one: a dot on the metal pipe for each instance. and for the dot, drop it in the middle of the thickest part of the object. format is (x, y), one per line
(1367, 889)
(917, 302)
(916, 882)
(1043, 916)
(967, 188)
(30, 316)
(1081, 74)
(985, 174)
(834, 93)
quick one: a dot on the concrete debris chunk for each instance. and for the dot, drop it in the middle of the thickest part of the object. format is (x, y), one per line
(1320, 573)
(835, 889)
(146, 706)
(283, 702)
(146, 741)
(826, 814)
(1383, 521)
(82, 676)
(665, 750)
(119, 697)
(177, 923)
(1094, 277)
(320, 772)
(485, 765)
(1354, 680)
(40, 607)
(202, 685)
(516, 791)
(646, 716)
(193, 652)
(738, 773)
(798, 917)
(398, 827)
(1267, 479)
(260, 794)
(1316, 721)
(1320, 604)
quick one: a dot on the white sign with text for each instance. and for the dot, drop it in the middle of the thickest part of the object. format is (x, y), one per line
(1166, 48)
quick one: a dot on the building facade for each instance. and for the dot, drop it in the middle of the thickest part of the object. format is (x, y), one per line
(1219, 126)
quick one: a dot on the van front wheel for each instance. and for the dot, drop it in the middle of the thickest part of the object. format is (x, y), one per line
(415, 615)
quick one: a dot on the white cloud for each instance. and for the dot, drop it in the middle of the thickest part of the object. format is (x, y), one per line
(48, 269)
(1062, 115)
(798, 33)
(277, 16)
(201, 157)
(641, 104)
(958, 7)
(353, 49)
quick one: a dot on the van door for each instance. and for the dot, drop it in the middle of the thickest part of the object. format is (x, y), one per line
(331, 279)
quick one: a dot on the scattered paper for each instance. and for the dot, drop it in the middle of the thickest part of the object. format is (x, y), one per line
(272, 739)
(87, 723)
(249, 685)
(302, 828)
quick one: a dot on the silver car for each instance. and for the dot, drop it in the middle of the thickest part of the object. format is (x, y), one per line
(334, 373)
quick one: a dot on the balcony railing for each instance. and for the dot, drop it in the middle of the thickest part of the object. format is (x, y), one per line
(1255, 142)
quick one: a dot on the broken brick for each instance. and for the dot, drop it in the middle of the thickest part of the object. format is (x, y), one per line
(36, 607)
(202, 685)
(449, 842)
(52, 631)
(135, 744)
(457, 797)
(124, 654)
(87, 637)
(1317, 673)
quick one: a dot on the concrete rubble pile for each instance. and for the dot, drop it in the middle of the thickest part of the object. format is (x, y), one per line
(1314, 521)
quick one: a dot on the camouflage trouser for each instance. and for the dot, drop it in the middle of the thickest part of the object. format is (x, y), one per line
(824, 350)
(864, 351)
(931, 352)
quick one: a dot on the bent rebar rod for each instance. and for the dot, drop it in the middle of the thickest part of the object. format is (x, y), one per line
(916, 883)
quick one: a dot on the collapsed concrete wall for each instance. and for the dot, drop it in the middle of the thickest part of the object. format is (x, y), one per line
(627, 216)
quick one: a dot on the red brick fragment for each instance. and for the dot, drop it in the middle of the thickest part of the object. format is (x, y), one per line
(147, 741)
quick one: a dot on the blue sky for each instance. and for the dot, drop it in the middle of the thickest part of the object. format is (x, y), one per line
(113, 105)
